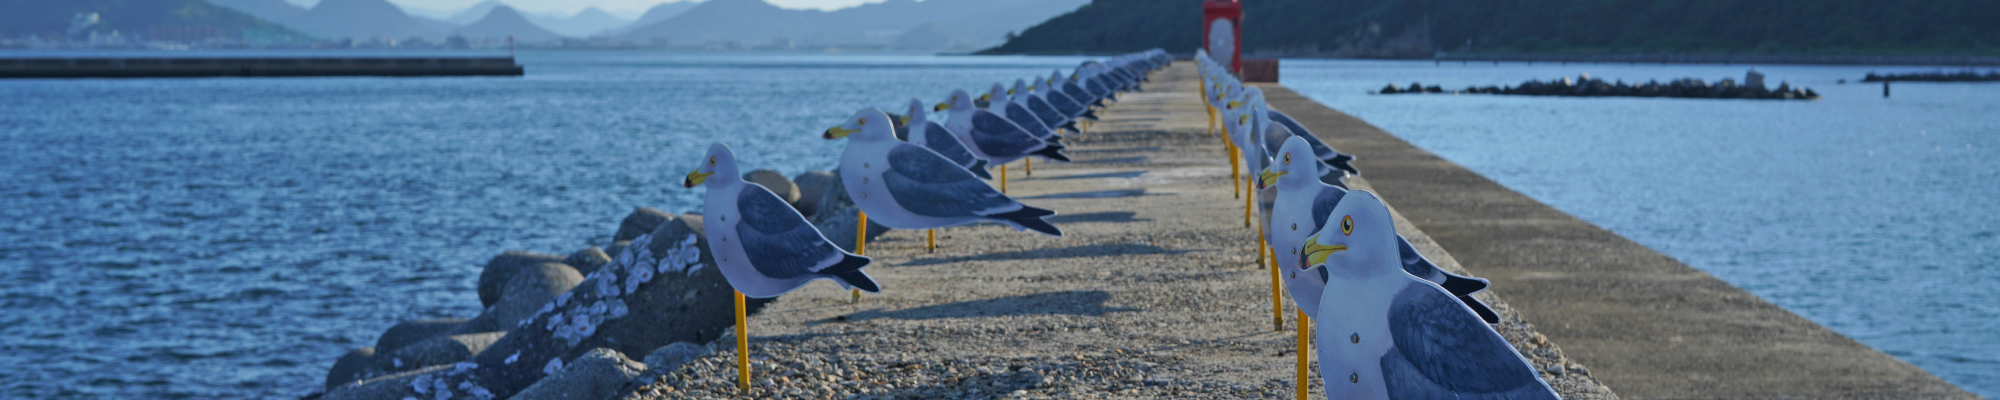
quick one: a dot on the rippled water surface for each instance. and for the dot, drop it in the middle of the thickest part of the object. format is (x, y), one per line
(228, 238)
(1872, 216)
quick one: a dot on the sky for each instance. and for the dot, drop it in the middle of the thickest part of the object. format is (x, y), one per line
(572, 6)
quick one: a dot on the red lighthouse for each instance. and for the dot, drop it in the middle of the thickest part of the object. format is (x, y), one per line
(1222, 32)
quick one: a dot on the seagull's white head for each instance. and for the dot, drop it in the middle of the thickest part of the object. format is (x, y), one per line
(718, 168)
(998, 94)
(1293, 169)
(867, 125)
(1020, 89)
(1055, 78)
(1358, 241)
(916, 114)
(959, 100)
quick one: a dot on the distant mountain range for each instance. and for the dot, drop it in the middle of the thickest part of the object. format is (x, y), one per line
(184, 21)
(502, 22)
(974, 23)
(1420, 28)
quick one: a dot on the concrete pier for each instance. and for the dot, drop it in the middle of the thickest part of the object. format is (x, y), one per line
(255, 67)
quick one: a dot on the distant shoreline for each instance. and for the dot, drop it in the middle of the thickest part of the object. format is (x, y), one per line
(1801, 59)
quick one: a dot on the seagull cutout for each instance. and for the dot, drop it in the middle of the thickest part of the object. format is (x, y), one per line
(1000, 102)
(1073, 107)
(1384, 334)
(906, 186)
(938, 139)
(1037, 102)
(764, 247)
(1301, 209)
(991, 136)
(1324, 153)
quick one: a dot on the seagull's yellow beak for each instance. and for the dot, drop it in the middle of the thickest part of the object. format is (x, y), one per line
(1243, 119)
(1316, 253)
(942, 106)
(1233, 104)
(986, 97)
(1010, 92)
(906, 118)
(696, 177)
(1268, 178)
(838, 132)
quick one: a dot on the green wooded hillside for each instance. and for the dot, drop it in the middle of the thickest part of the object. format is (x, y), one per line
(169, 19)
(1417, 28)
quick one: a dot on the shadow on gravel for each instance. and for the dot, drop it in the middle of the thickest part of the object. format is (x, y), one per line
(1053, 253)
(1119, 160)
(1119, 175)
(1075, 302)
(1125, 193)
(1107, 216)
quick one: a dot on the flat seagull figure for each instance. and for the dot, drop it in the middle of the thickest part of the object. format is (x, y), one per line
(1384, 334)
(999, 102)
(764, 247)
(1301, 208)
(938, 139)
(991, 136)
(906, 186)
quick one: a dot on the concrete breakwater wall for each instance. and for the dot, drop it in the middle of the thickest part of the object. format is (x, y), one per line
(255, 67)
(1720, 59)
(1585, 86)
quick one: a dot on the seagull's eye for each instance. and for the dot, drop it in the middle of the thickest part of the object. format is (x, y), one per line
(864, 122)
(711, 161)
(1288, 158)
(1347, 225)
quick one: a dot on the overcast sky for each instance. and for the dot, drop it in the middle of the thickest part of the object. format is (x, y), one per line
(572, 6)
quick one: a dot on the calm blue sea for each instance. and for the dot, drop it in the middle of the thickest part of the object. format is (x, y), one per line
(204, 238)
(1872, 216)
(228, 238)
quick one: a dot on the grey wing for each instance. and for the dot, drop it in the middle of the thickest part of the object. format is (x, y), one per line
(1047, 112)
(1027, 120)
(779, 241)
(930, 185)
(1444, 351)
(1320, 150)
(1323, 205)
(940, 140)
(999, 137)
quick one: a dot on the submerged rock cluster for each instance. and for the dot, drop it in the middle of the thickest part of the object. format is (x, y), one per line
(1585, 86)
(572, 326)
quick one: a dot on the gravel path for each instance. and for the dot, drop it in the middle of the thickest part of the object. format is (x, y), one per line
(1154, 292)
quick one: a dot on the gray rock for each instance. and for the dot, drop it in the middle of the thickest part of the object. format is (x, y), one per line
(813, 186)
(776, 182)
(689, 221)
(598, 374)
(837, 217)
(388, 387)
(672, 356)
(641, 221)
(436, 351)
(502, 267)
(351, 367)
(587, 260)
(407, 332)
(530, 290)
(616, 247)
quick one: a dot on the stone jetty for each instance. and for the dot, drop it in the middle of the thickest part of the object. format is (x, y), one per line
(1585, 86)
(1936, 76)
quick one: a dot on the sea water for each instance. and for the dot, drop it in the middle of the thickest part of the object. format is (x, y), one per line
(1872, 216)
(229, 237)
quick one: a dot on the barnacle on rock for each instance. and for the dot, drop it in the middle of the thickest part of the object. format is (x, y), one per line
(617, 308)
(553, 365)
(511, 359)
(607, 285)
(563, 299)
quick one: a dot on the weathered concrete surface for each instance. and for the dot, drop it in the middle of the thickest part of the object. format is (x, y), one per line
(1153, 292)
(1647, 325)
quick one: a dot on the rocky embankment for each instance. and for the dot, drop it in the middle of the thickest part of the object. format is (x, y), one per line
(591, 324)
(1936, 76)
(1585, 86)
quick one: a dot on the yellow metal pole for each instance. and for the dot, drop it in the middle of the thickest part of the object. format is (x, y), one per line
(1305, 333)
(932, 242)
(1003, 178)
(860, 248)
(1233, 176)
(1249, 202)
(1028, 167)
(742, 346)
(1277, 294)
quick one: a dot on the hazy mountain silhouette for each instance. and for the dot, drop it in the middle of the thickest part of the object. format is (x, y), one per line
(590, 21)
(435, 24)
(474, 13)
(360, 19)
(657, 14)
(502, 22)
(180, 20)
(279, 11)
(751, 22)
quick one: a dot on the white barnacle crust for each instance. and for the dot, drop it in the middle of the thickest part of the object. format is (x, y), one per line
(618, 308)
(464, 366)
(563, 299)
(607, 285)
(625, 257)
(553, 365)
(598, 308)
(516, 357)
(443, 395)
(398, 362)
(479, 392)
(422, 384)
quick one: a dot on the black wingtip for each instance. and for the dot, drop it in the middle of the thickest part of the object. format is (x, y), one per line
(1485, 313)
(1071, 125)
(860, 280)
(978, 169)
(1345, 163)
(1462, 286)
(1031, 218)
(1053, 152)
(849, 271)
